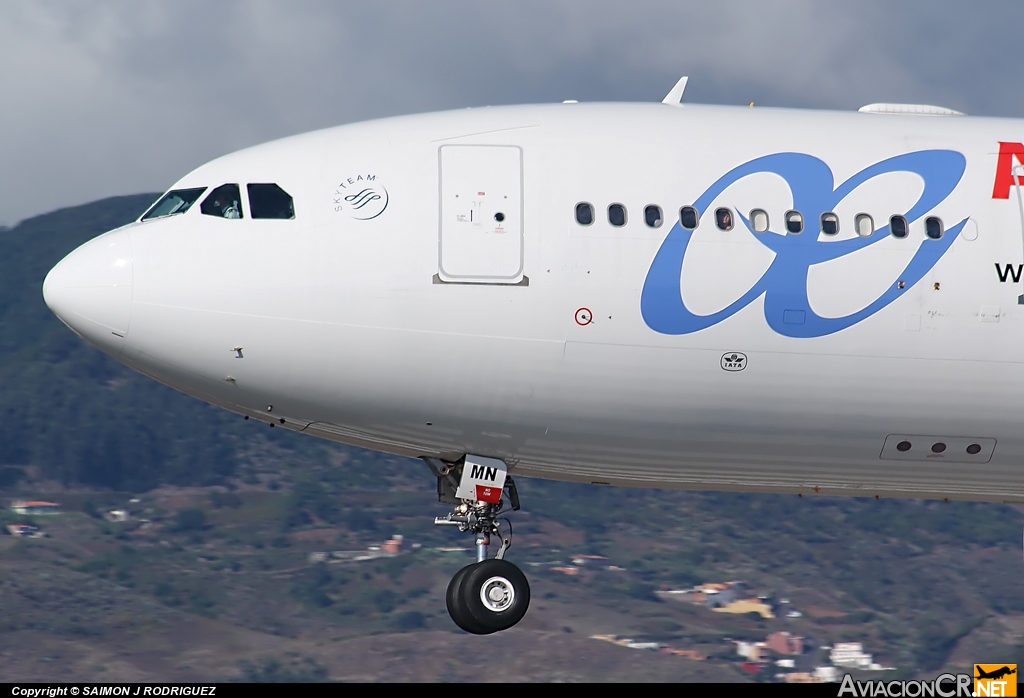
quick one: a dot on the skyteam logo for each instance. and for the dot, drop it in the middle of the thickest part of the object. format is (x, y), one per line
(362, 197)
(784, 285)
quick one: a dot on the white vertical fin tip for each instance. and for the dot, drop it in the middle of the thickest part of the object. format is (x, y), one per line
(675, 95)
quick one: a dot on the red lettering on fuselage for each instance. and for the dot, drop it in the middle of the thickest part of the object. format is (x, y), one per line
(1004, 169)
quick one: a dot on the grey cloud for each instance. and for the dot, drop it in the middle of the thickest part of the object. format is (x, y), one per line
(117, 97)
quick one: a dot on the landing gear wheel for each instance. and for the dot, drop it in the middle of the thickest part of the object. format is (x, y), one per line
(495, 594)
(457, 609)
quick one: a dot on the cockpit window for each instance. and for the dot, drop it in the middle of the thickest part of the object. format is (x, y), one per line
(224, 202)
(174, 202)
(270, 201)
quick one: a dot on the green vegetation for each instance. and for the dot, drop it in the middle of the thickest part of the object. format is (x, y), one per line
(10, 476)
(80, 416)
(192, 519)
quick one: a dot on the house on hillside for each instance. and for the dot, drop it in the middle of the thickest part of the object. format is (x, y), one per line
(634, 645)
(802, 677)
(688, 654)
(715, 595)
(784, 643)
(752, 651)
(25, 531)
(587, 559)
(393, 546)
(747, 606)
(35, 508)
(568, 571)
(852, 655)
(828, 674)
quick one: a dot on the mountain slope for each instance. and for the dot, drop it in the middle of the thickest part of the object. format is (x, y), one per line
(77, 414)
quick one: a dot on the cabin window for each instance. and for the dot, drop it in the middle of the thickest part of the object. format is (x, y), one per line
(864, 225)
(933, 227)
(652, 216)
(584, 214)
(688, 217)
(174, 202)
(617, 215)
(223, 202)
(759, 220)
(829, 223)
(794, 222)
(898, 226)
(270, 201)
(723, 219)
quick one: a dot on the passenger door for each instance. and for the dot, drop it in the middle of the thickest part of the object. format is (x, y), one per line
(481, 215)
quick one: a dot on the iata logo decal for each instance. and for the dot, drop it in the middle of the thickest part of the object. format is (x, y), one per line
(787, 309)
(362, 197)
(734, 361)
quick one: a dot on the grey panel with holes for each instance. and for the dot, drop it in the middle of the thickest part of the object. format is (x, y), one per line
(955, 449)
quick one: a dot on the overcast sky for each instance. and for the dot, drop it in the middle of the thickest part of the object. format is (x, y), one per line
(105, 98)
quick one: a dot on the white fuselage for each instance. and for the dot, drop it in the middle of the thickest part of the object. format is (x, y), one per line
(420, 324)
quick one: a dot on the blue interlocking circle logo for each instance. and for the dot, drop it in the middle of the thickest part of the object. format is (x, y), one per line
(784, 285)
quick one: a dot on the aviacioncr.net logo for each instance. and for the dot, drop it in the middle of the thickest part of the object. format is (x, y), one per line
(787, 309)
(944, 686)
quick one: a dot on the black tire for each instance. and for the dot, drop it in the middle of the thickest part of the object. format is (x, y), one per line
(457, 610)
(511, 594)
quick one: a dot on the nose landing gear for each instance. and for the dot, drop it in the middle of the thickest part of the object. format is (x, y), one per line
(490, 594)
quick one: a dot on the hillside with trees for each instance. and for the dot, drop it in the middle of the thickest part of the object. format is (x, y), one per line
(71, 411)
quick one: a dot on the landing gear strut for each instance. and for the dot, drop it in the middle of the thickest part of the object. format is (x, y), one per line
(490, 594)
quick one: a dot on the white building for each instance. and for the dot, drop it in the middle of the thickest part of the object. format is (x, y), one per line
(752, 651)
(828, 674)
(850, 654)
(642, 645)
(35, 508)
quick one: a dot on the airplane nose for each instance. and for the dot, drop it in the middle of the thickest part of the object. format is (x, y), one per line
(90, 290)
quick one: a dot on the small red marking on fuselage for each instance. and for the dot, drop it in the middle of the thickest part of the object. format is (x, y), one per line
(1004, 169)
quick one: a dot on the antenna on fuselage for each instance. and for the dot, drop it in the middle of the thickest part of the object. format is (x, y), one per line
(675, 95)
